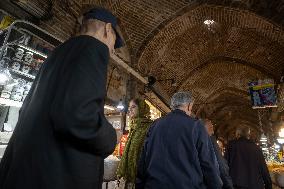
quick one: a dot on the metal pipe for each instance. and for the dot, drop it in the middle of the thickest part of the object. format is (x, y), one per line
(123, 64)
(156, 88)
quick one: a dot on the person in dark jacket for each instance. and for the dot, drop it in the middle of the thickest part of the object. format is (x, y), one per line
(223, 166)
(62, 135)
(247, 165)
(177, 152)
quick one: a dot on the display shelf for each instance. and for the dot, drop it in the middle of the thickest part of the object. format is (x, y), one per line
(8, 102)
(32, 50)
(22, 74)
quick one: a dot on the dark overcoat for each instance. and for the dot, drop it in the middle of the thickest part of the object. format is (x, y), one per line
(62, 135)
(247, 165)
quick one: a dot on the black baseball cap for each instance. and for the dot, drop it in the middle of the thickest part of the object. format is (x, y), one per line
(107, 17)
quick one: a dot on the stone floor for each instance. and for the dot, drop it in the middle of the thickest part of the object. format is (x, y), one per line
(111, 185)
(276, 187)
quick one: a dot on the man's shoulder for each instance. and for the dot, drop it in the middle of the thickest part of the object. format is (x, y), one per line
(242, 141)
(178, 119)
(83, 41)
(233, 142)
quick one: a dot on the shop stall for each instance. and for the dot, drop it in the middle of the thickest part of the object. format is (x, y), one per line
(23, 49)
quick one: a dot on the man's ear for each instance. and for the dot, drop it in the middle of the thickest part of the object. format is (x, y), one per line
(188, 107)
(108, 28)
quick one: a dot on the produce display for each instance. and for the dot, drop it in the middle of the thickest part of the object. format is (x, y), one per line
(274, 166)
(276, 170)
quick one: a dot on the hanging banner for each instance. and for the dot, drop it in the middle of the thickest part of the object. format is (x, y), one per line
(262, 94)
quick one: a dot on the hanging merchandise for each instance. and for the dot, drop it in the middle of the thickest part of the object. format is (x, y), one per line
(6, 92)
(18, 90)
(17, 93)
(16, 66)
(7, 56)
(18, 57)
(26, 69)
(262, 94)
(19, 54)
(28, 58)
(26, 90)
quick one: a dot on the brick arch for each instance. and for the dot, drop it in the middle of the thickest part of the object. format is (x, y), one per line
(195, 17)
(218, 76)
(270, 11)
(230, 131)
(142, 20)
(231, 60)
(216, 99)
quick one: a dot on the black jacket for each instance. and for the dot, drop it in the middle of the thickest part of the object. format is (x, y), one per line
(247, 165)
(177, 155)
(223, 166)
(62, 136)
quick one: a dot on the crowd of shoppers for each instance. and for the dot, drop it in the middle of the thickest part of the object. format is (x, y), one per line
(62, 135)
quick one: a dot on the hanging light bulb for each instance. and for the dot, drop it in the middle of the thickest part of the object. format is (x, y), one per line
(120, 105)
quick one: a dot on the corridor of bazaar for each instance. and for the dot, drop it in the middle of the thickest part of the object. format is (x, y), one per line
(227, 53)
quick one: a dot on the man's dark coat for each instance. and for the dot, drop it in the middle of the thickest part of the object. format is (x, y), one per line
(62, 135)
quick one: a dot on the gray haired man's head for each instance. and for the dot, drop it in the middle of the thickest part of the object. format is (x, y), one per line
(243, 132)
(181, 99)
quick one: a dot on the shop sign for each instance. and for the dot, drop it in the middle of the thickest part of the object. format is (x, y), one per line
(262, 94)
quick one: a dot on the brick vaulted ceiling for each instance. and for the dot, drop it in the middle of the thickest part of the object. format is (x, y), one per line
(169, 40)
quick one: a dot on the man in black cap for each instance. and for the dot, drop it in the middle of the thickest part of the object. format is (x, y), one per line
(62, 135)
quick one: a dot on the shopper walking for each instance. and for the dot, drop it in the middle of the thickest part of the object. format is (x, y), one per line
(247, 165)
(62, 135)
(177, 152)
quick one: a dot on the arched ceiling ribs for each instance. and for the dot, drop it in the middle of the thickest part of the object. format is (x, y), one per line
(214, 97)
(229, 60)
(232, 124)
(223, 118)
(183, 12)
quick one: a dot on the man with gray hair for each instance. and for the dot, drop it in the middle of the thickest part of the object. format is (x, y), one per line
(177, 152)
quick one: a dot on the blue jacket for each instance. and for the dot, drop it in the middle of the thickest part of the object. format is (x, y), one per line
(177, 154)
